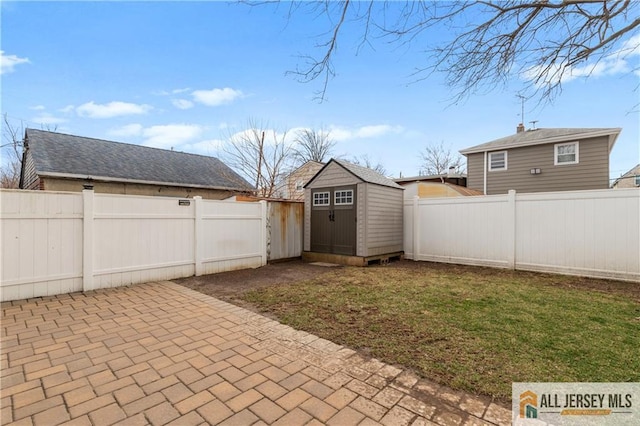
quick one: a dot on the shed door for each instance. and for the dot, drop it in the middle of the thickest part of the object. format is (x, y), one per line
(333, 220)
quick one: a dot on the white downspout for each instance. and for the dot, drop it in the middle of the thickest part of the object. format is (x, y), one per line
(485, 174)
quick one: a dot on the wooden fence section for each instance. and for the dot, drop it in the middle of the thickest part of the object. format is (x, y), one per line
(590, 233)
(54, 242)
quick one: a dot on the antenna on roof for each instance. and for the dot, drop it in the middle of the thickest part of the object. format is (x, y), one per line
(533, 124)
(522, 99)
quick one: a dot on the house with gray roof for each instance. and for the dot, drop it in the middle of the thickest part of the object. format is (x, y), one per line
(352, 215)
(60, 162)
(541, 160)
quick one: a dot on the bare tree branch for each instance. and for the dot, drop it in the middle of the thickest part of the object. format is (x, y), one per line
(438, 158)
(260, 154)
(365, 161)
(12, 146)
(543, 42)
(312, 145)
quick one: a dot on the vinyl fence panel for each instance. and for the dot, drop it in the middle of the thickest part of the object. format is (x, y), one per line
(55, 242)
(41, 243)
(590, 233)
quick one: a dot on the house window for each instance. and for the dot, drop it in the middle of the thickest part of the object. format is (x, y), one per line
(566, 153)
(299, 185)
(497, 161)
(344, 197)
(321, 199)
(637, 180)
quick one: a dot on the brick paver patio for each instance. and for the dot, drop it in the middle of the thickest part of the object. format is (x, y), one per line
(160, 353)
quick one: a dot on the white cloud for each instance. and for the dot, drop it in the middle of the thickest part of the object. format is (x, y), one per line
(176, 91)
(614, 63)
(129, 130)
(170, 135)
(182, 103)
(111, 109)
(364, 132)
(208, 147)
(38, 108)
(216, 97)
(8, 62)
(46, 118)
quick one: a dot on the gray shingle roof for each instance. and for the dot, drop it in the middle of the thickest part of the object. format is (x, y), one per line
(366, 174)
(74, 156)
(542, 136)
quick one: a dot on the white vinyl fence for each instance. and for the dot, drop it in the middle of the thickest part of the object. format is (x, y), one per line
(589, 233)
(60, 242)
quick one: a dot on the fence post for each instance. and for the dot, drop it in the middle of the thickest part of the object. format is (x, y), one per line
(198, 242)
(416, 227)
(511, 229)
(263, 227)
(87, 240)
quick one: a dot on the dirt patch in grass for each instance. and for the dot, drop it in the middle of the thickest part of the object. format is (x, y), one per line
(470, 328)
(231, 286)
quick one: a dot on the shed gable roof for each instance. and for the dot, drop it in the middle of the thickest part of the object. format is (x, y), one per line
(543, 136)
(363, 173)
(62, 155)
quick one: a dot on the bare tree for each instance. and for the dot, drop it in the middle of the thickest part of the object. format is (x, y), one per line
(260, 154)
(545, 42)
(312, 145)
(365, 161)
(438, 158)
(12, 147)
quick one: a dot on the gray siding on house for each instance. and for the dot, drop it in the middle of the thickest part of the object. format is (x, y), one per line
(475, 176)
(29, 178)
(592, 171)
(334, 175)
(384, 222)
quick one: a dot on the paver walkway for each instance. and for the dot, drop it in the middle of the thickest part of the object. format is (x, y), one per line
(160, 353)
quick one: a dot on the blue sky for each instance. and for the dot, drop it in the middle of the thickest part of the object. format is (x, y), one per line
(187, 75)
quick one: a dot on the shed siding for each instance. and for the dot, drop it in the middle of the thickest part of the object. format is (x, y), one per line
(384, 222)
(30, 178)
(334, 175)
(361, 229)
(592, 171)
(307, 220)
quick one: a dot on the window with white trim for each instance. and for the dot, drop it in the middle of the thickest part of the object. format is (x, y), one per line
(637, 180)
(497, 161)
(343, 197)
(565, 153)
(321, 199)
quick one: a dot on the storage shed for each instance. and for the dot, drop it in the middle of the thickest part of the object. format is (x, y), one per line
(352, 215)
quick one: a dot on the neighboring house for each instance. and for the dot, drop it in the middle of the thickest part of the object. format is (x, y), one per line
(539, 160)
(451, 176)
(60, 162)
(436, 190)
(631, 179)
(292, 186)
(351, 214)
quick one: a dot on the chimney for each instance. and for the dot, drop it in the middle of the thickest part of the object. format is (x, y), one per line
(520, 128)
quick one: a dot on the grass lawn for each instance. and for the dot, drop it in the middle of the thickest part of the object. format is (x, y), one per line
(474, 329)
